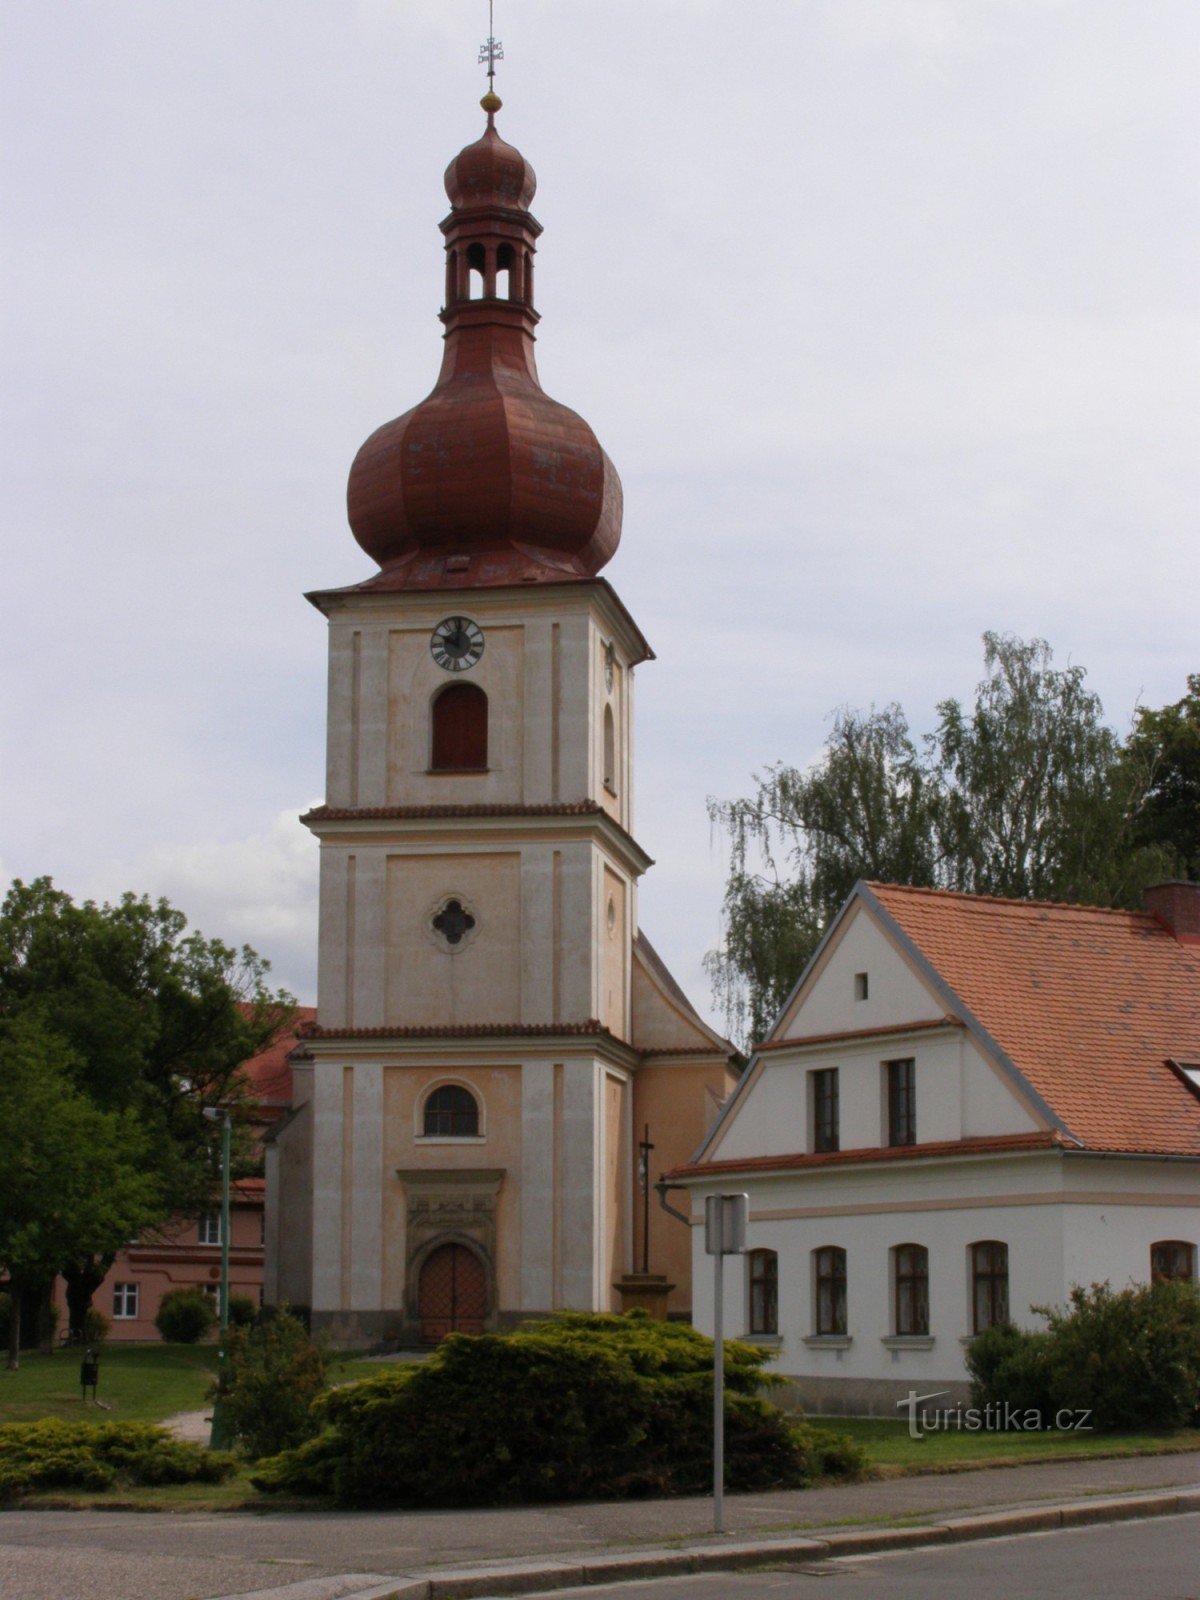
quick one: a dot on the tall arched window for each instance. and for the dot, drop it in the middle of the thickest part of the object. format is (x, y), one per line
(911, 1268)
(476, 267)
(460, 729)
(505, 260)
(830, 1274)
(451, 1112)
(610, 751)
(989, 1284)
(764, 1291)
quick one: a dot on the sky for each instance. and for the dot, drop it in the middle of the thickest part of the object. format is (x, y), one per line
(885, 310)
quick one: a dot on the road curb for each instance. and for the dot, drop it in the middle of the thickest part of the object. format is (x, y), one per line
(516, 1578)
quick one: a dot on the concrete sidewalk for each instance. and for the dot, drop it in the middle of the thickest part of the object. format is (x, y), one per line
(457, 1555)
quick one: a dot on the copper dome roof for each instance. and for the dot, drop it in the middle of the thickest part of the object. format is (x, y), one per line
(488, 480)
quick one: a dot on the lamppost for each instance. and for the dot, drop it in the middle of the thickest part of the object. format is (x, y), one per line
(219, 1437)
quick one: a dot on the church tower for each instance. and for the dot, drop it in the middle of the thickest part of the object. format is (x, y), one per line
(493, 1033)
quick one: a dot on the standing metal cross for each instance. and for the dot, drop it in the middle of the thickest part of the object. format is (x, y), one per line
(492, 50)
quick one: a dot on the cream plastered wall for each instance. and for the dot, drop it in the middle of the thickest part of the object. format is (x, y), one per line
(617, 1179)
(477, 980)
(498, 1089)
(676, 1101)
(827, 1003)
(614, 945)
(775, 1115)
(542, 669)
(1065, 1220)
(537, 955)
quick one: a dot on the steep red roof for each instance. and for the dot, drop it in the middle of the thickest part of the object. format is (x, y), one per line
(1089, 1004)
(269, 1073)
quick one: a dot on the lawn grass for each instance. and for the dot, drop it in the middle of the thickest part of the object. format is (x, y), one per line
(138, 1382)
(889, 1446)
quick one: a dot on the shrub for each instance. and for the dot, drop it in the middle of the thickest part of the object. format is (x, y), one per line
(77, 1455)
(272, 1375)
(184, 1316)
(1131, 1357)
(242, 1311)
(578, 1406)
(95, 1326)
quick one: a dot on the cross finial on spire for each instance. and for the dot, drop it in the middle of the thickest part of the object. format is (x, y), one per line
(492, 49)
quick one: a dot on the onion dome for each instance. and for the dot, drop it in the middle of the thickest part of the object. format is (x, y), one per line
(488, 480)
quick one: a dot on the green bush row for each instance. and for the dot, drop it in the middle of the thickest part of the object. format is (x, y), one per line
(52, 1454)
(1130, 1357)
(579, 1406)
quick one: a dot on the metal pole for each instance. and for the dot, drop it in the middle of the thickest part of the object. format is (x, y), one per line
(718, 1394)
(218, 1438)
(224, 1227)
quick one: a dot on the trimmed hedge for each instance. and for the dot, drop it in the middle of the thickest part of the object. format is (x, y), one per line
(1131, 1357)
(578, 1406)
(185, 1316)
(52, 1454)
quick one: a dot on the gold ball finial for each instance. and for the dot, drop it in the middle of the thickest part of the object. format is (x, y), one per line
(491, 102)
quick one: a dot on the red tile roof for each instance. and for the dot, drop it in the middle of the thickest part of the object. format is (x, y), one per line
(269, 1073)
(997, 1144)
(1088, 1004)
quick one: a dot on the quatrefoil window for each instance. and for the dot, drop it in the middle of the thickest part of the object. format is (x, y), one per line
(453, 922)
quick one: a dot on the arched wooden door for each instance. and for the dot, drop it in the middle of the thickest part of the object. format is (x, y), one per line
(451, 1293)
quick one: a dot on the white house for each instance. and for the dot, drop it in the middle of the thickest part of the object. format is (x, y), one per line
(966, 1106)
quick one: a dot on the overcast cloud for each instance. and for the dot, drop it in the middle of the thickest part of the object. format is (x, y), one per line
(885, 310)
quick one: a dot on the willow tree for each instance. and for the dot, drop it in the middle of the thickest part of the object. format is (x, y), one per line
(1025, 793)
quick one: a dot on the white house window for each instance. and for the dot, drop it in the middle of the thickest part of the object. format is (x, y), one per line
(989, 1284)
(862, 986)
(125, 1302)
(911, 1270)
(901, 1102)
(764, 1291)
(830, 1275)
(825, 1109)
(1172, 1260)
(210, 1227)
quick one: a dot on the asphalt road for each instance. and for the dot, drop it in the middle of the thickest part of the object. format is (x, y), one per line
(1153, 1560)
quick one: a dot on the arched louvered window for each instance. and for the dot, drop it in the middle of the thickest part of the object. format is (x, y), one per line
(829, 1266)
(460, 729)
(989, 1284)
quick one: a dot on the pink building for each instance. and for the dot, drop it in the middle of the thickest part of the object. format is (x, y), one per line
(187, 1253)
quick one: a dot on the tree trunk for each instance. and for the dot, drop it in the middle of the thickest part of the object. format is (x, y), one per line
(83, 1278)
(14, 1326)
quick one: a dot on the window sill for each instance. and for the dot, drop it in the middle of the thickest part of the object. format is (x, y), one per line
(456, 772)
(829, 1341)
(771, 1341)
(452, 1138)
(908, 1341)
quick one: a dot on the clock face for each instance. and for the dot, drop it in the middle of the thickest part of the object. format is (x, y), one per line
(456, 644)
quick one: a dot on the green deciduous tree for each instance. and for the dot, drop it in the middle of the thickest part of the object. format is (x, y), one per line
(154, 1021)
(1025, 793)
(74, 1180)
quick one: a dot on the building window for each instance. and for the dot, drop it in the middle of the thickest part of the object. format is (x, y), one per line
(1172, 1260)
(825, 1109)
(911, 1264)
(901, 1102)
(989, 1284)
(862, 986)
(125, 1301)
(830, 1264)
(453, 922)
(209, 1228)
(764, 1291)
(451, 1112)
(460, 729)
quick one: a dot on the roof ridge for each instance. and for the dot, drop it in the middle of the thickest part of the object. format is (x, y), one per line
(1005, 900)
